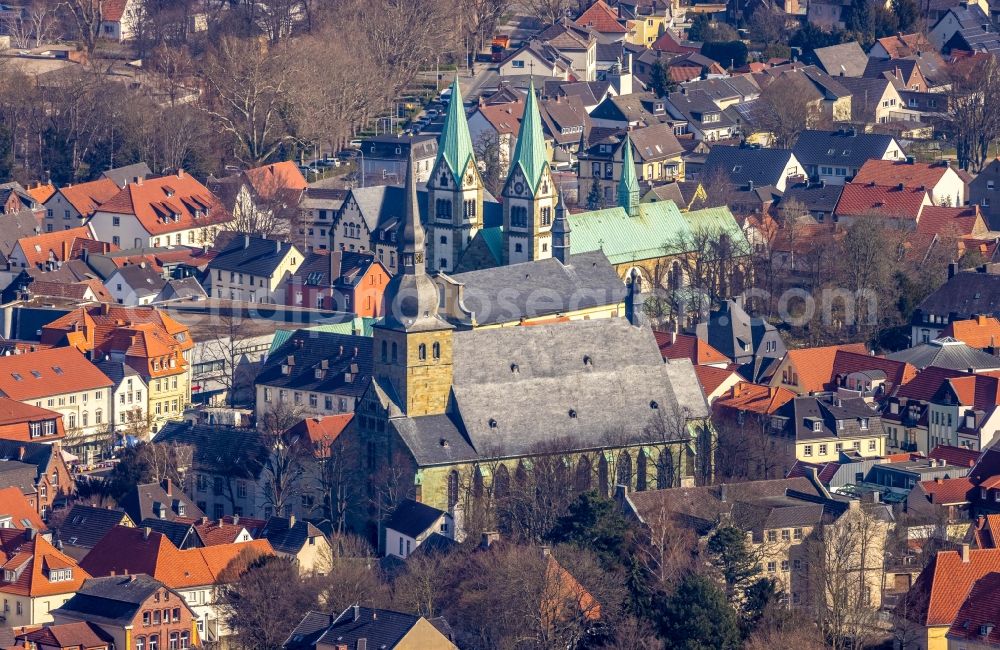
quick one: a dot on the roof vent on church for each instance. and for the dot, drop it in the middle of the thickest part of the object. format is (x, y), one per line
(572, 413)
(514, 368)
(444, 443)
(587, 361)
(493, 423)
(654, 405)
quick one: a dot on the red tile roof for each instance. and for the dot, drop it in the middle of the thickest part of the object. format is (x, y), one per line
(711, 378)
(321, 432)
(981, 390)
(79, 635)
(56, 245)
(213, 533)
(814, 366)
(34, 558)
(55, 371)
(601, 18)
(927, 382)
(281, 177)
(168, 204)
(951, 222)
(903, 45)
(42, 193)
(892, 172)
(980, 608)
(687, 346)
(979, 332)
(505, 118)
(863, 200)
(958, 456)
(754, 398)
(82, 290)
(113, 10)
(985, 531)
(667, 42)
(943, 585)
(15, 505)
(896, 372)
(824, 471)
(85, 197)
(137, 551)
(15, 419)
(96, 328)
(948, 490)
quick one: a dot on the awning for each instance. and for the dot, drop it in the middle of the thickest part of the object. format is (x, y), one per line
(68, 457)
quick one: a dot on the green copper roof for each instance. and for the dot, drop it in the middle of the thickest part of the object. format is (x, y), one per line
(455, 145)
(530, 150)
(628, 186)
(361, 324)
(657, 228)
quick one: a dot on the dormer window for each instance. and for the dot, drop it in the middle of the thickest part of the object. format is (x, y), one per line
(864, 424)
(817, 426)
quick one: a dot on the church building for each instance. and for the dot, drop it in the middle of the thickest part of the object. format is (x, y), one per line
(450, 413)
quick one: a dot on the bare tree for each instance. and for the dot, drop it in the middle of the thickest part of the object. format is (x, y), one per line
(87, 16)
(284, 466)
(788, 107)
(549, 11)
(974, 111)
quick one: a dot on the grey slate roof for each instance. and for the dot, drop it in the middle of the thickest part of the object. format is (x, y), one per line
(847, 59)
(179, 533)
(729, 329)
(113, 600)
(391, 147)
(745, 164)
(381, 628)
(37, 454)
(227, 451)
(382, 206)
(814, 196)
(17, 474)
(972, 19)
(15, 226)
(693, 106)
(946, 352)
(967, 294)
(285, 539)
(515, 389)
(330, 356)
(117, 371)
(840, 148)
(85, 526)
(151, 501)
(122, 176)
(803, 412)
(144, 280)
(315, 269)
(412, 518)
(253, 255)
(181, 289)
(308, 631)
(539, 288)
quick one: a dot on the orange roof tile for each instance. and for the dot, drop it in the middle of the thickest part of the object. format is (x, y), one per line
(980, 332)
(15, 505)
(213, 533)
(687, 346)
(755, 398)
(958, 456)
(85, 197)
(505, 118)
(33, 559)
(275, 178)
(54, 371)
(948, 490)
(890, 202)
(601, 18)
(954, 222)
(711, 377)
(986, 530)
(897, 373)
(903, 45)
(95, 326)
(980, 608)
(321, 432)
(168, 204)
(56, 245)
(42, 193)
(892, 172)
(561, 588)
(944, 584)
(814, 366)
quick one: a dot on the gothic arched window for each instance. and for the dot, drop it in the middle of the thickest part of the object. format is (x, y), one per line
(436, 350)
(422, 352)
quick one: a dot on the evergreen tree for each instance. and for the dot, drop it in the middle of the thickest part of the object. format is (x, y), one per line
(907, 14)
(699, 28)
(660, 81)
(697, 617)
(731, 553)
(594, 198)
(594, 523)
(760, 597)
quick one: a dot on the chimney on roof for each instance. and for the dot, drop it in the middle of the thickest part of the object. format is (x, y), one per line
(546, 550)
(981, 319)
(168, 487)
(277, 246)
(236, 519)
(336, 264)
(138, 181)
(737, 389)
(362, 644)
(20, 452)
(204, 520)
(965, 553)
(952, 269)
(180, 172)
(357, 612)
(246, 241)
(291, 521)
(145, 532)
(29, 533)
(772, 391)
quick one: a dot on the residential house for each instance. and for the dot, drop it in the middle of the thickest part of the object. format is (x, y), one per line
(68, 636)
(686, 195)
(316, 373)
(37, 577)
(71, 206)
(122, 176)
(753, 166)
(133, 285)
(228, 469)
(575, 43)
(702, 116)
(964, 295)
(252, 269)
(823, 426)
(931, 607)
(898, 205)
(20, 422)
(984, 191)
(828, 14)
(174, 209)
(339, 280)
(655, 155)
(810, 370)
(630, 111)
(584, 286)
(844, 60)
(974, 627)
(49, 250)
(147, 339)
(136, 611)
(646, 20)
(670, 43)
(874, 100)
(49, 479)
(946, 352)
(317, 210)
(411, 524)
(120, 20)
(541, 58)
(602, 19)
(165, 502)
(905, 74)
(262, 195)
(751, 343)
(981, 332)
(84, 526)
(64, 381)
(836, 156)
(965, 27)
(299, 540)
(129, 404)
(818, 200)
(385, 158)
(691, 66)
(18, 512)
(357, 625)
(727, 91)
(900, 46)
(944, 186)
(826, 97)
(191, 575)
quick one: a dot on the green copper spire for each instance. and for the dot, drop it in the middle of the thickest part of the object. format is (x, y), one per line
(530, 150)
(628, 186)
(455, 145)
